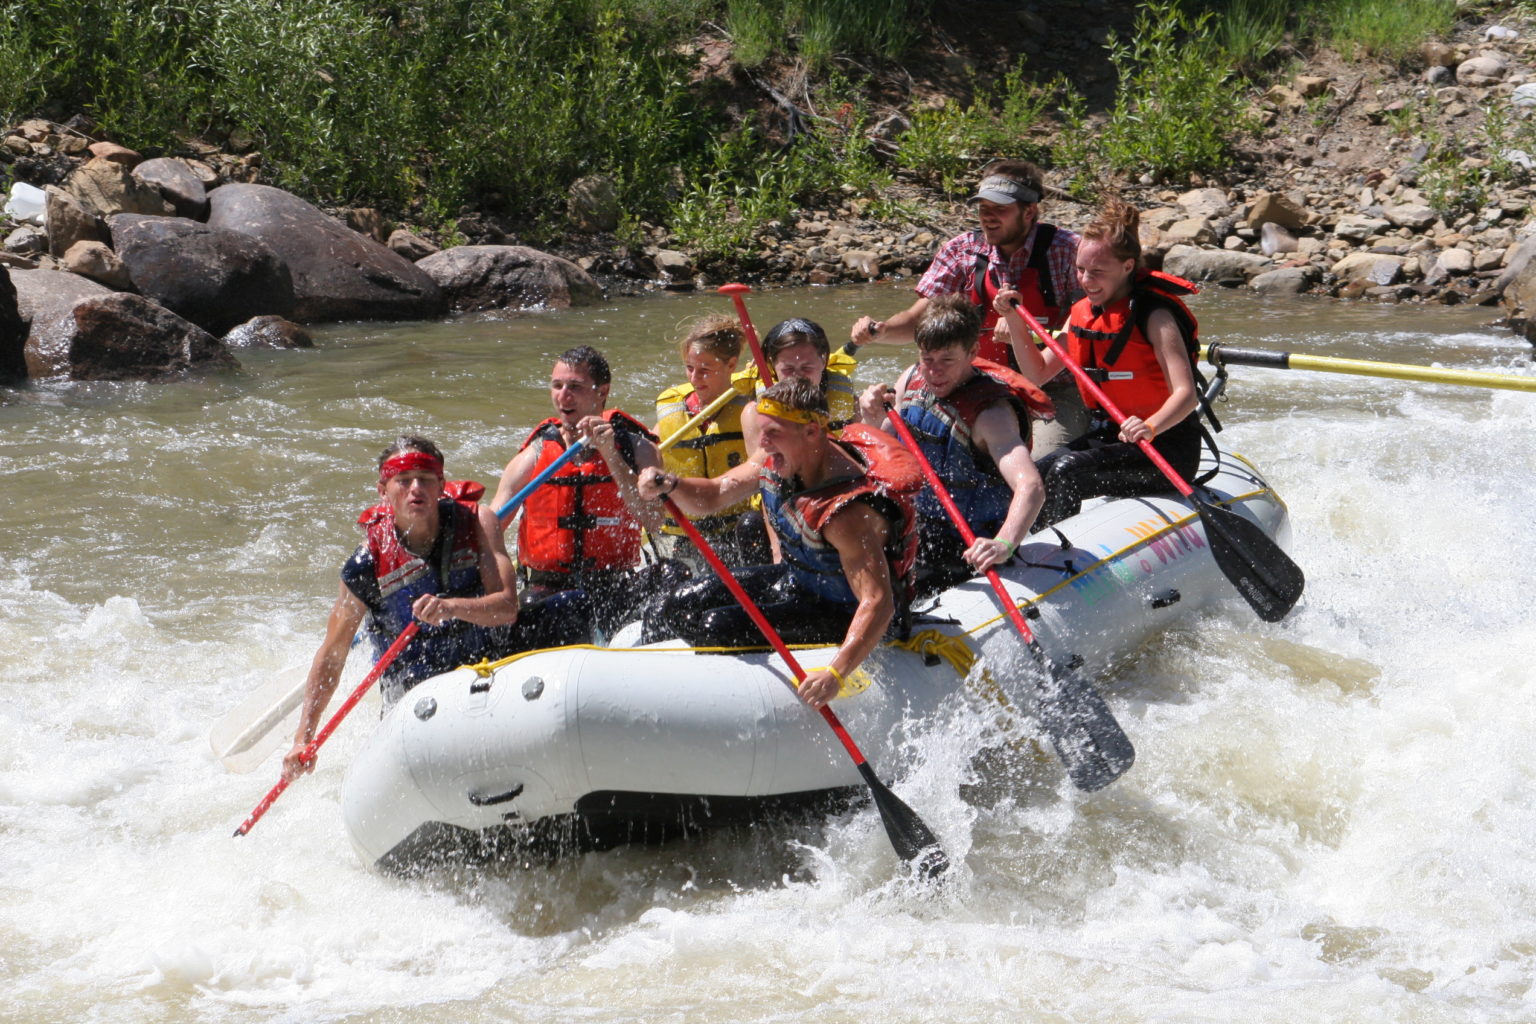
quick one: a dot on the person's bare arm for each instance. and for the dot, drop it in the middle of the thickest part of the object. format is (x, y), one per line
(498, 605)
(997, 430)
(515, 477)
(600, 434)
(1168, 344)
(701, 495)
(859, 534)
(324, 672)
(1036, 364)
(897, 330)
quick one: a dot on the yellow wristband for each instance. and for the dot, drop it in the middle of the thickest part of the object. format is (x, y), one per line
(857, 681)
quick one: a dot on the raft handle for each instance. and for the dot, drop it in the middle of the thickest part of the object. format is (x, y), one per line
(500, 798)
(1170, 597)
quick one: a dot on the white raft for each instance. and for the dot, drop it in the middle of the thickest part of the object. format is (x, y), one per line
(597, 746)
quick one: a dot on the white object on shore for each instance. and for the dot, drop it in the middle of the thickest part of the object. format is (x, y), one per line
(1500, 33)
(26, 203)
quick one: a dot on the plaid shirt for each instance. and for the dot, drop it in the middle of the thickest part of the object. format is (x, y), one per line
(955, 263)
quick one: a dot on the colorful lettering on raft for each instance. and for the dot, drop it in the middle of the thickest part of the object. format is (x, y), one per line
(1155, 537)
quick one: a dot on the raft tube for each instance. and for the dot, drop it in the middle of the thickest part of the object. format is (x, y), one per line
(584, 747)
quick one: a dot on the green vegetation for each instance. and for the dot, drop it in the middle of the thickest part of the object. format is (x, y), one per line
(819, 29)
(434, 108)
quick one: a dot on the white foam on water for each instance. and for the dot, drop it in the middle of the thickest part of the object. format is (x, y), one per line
(1329, 818)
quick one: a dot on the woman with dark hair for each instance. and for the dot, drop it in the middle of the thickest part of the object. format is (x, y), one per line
(797, 348)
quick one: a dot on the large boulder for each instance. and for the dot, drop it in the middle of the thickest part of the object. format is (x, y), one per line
(213, 277)
(480, 277)
(107, 187)
(121, 337)
(1210, 203)
(69, 222)
(13, 334)
(1277, 208)
(337, 273)
(1214, 264)
(97, 261)
(1285, 281)
(179, 185)
(1369, 267)
(44, 294)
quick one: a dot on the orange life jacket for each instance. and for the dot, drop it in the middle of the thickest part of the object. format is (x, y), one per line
(1111, 344)
(1037, 292)
(577, 521)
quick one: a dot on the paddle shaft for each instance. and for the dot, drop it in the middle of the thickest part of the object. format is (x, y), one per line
(910, 836)
(736, 291)
(394, 649)
(698, 418)
(1217, 354)
(308, 754)
(1010, 606)
(760, 620)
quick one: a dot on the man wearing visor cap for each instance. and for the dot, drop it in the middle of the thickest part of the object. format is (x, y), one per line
(1011, 248)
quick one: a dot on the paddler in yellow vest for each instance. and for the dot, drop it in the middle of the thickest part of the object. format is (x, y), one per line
(798, 348)
(710, 351)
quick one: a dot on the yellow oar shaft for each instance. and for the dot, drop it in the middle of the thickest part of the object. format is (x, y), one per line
(1217, 354)
(703, 414)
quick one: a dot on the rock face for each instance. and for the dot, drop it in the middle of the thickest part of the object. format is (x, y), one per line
(121, 337)
(480, 277)
(98, 262)
(212, 277)
(178, 185)
(13, 334)
(268, 332)
(1276, 208)
(1212, 265)
(412, 246)
(337, 273)
(107, 187)
(44, 294)
(69, 222)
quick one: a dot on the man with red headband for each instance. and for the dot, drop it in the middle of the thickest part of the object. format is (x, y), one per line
(1012, 248)
(433, 555)
(842, 510)
(580, 530)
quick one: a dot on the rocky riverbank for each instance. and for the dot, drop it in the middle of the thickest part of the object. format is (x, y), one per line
(124, 266)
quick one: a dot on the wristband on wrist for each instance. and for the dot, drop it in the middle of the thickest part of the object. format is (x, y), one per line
(1010, 545)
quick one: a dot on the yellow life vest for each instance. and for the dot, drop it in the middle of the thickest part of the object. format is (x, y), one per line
(842, 394)
(708, 451)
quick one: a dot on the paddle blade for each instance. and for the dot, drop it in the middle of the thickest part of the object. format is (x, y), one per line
(1264, 574)
(1091, 745)
(249, 733)
(909, 834)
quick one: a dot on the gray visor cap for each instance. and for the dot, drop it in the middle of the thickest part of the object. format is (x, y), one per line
(1001, 189)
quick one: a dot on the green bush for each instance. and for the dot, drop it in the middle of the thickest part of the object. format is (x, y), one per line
(947, 144)
(821, 29)
(1177, 108)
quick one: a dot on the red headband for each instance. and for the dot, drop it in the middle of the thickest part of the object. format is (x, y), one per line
(398, 464)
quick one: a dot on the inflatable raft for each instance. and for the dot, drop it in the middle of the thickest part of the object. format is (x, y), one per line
(584, 747)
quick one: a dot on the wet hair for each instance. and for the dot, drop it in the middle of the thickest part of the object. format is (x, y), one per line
(1118, 226)
(799, 394)
(795, 331)
(410, 443)
(717, 334)
(951, 319)
(589, 359)
(1019, 170)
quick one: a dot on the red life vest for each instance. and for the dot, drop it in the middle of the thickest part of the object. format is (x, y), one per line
(1036, 290)
(577, 521)
(1111, 343)
(889, 484)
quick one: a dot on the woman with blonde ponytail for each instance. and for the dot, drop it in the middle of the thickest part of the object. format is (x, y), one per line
(1133, 334)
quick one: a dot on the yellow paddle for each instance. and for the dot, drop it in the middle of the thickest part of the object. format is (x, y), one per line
(1218, 354)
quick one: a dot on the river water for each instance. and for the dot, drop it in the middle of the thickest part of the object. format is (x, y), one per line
(1330, 818)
